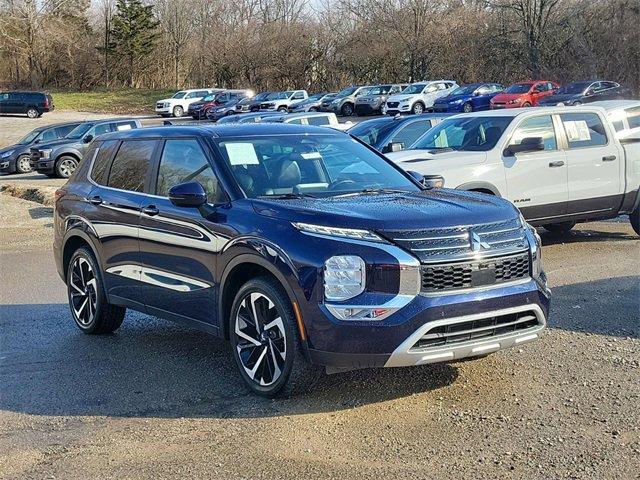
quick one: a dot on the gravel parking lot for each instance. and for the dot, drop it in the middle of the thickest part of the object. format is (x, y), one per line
(155, 400)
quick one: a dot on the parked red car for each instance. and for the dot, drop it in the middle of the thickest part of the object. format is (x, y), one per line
(524, 94)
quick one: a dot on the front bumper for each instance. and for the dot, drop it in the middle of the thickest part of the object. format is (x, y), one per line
(8, 164)
(392, 342)
(440, 108)
(367, 109)
(43, 166)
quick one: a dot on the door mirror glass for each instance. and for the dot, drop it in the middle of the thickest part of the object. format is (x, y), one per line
(393, 147)
(189, 194)
(528, 144)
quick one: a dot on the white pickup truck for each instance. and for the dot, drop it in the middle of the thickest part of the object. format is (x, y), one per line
(558, 165)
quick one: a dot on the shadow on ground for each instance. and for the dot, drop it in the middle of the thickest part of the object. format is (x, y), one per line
(152, 368)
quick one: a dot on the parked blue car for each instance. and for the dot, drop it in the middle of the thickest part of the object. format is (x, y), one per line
(305, 248)
(470, 98)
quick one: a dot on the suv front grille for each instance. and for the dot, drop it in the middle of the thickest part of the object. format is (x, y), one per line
(455, 333)
(480, 273)
(393, 104)
(451, 244)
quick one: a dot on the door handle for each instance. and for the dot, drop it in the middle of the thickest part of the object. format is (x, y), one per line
(95, 200)
(150, 210)
(558, 163)
(609, 158)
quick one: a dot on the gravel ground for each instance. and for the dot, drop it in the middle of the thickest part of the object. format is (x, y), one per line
(156, 400)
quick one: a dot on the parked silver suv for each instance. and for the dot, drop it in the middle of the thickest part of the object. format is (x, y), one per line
(345, 101)
(372, 102)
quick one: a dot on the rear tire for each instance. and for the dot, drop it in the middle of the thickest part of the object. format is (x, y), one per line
(268, 350)
(88, 303)
(634, 218)
(65, 166)
(23, 165)
(559, 228)
(33, 112)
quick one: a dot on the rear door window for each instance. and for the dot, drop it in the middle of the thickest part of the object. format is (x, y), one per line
(583, 130)
(319, 120)
(131, 165)
(100, 169)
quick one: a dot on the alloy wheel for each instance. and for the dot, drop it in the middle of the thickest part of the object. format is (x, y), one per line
(67, 167)
(32, 113)
(261, 339)
(418, 109)
(24, 166)
(83, 291)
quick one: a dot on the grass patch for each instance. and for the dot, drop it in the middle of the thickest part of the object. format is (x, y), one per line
(110, 101)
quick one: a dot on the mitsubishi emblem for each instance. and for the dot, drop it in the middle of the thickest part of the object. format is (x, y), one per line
(476, 242)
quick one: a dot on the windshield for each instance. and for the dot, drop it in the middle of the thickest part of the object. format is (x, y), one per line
(262, 96)
(470, 134)
(316, 96)
(281, 96)
(466, 90)
(519, 88)
(345, 92)
(416, 88)
(573, 88)
(79, 131)
(380, 90)
(315, 165)
(179, 95)
(29, 137)
(372, 132)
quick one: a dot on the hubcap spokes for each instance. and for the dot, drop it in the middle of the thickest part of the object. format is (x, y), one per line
(67, 167)
(261, 343)
(83, 291)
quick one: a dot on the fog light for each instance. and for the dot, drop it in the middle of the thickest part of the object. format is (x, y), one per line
(344, 277)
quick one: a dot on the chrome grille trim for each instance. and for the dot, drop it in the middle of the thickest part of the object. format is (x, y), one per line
(447, 244)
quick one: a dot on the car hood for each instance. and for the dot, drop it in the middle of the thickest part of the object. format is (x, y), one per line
(507, 97)
(562, 97)
(55, 143)
(168, 100)
(400, 98)
(410, 210)
(14, 147)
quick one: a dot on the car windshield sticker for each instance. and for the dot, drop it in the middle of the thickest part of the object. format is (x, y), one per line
(242, 154)
(577, 131)
(311, 155)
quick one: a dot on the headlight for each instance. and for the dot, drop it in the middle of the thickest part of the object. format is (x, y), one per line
(344, 277)
(536, 249)
(460, 100)
(6, 154)
(514, 101)
(45, 153)
(352, 233)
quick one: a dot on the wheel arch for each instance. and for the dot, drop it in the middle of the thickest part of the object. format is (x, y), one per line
(482, 187)
(237, 272)
(73, 241)
(68, 153)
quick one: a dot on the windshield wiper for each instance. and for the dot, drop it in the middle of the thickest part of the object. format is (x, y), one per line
(371, 191)
(285, 196)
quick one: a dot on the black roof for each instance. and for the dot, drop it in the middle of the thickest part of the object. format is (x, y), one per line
(221, 131)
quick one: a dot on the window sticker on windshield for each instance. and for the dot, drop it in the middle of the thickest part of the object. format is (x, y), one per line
(241, 154)
(311, 155)
(577, 131)
(126, 126)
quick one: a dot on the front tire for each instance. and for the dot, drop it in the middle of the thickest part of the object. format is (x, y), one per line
(559, 228)
(178, 111)
(266, 343)
(526, 105)
(467, 108)
(283, 109)
(65, 166)
(88, 303)
(417, 108)
(346, 110)
(23, 165)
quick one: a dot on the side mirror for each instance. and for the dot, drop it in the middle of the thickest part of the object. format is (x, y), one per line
(190, 194)
(528, 144)
(393, 147)
(87, 139)
(433, 181)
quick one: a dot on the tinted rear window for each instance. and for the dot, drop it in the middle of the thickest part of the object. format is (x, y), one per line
(131, 164)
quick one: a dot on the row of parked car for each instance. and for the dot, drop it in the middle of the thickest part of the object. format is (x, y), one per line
(417, 98)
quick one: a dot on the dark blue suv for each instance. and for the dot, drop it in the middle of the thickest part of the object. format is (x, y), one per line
(302, 246)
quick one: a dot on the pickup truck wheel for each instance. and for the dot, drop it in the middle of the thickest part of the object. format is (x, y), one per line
(634, 218)
(87, 300)
(283, 109)
(65, 166)
(178, 111)
(266, 343)
(23, 165)
(559, 228)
